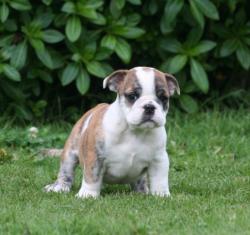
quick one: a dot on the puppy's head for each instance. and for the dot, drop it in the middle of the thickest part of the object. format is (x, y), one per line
(143, 95)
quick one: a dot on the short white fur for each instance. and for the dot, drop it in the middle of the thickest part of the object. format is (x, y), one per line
(147, 80)
(86, 123)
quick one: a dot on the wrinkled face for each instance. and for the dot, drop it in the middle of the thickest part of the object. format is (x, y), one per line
(143, 95)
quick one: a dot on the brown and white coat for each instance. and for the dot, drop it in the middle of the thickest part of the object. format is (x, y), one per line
(124, 142)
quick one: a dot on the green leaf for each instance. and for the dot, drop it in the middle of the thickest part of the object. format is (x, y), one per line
(12, 91)
(82, 81)
(4, 12)
(6, 40)
(188, 104)
(11, 72)
(45, 57)
(19, 55)
(11, 25)
(190, 87)
(57, 58)
(202, 47)
(22, 111)
(73, 28)
(37, 44)
(69, 73)
(52, 36)
(103, 53)
(193, 37)
(96, 68)
(228, 47)
(123, 50)
(86, 11)
(100, 20)
(171, 45)
(177, 63)
(207, 8)
(232, 5)
(94, 3)
(115, 12)
(243, 56)
(199, 75)
(197, 14)
(89, 51)
(60, 20)
(69, 7)
(47, 2)
(135, 2)
(108, 41)
(172, 8)
(120, 4)
(45, 76)
(20, 5)
(108, 69)
(133, 19)
(44, 19)
(128, 32)
(76, 57)
(6, 52)
(246, 40)
(240, 17)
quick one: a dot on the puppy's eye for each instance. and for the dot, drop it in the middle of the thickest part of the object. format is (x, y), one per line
(162, 97)
(132, 97)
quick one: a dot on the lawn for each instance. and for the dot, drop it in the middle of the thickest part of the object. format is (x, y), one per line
(209, 183)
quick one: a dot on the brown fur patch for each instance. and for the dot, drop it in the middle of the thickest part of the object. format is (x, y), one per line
(130, 83)
(72, 142)
(114, 80)
(88, 152)
(161, 82)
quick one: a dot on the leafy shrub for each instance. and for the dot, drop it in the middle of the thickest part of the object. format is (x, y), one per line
(46, 46)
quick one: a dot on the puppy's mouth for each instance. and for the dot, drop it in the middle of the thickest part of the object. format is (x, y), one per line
(148, 121)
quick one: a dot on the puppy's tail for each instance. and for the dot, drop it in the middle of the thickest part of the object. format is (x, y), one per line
(51, 152)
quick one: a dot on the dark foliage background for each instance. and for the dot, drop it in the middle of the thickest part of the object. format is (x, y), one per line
(54, 54)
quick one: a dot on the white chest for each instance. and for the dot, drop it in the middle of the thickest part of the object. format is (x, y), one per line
(127, 157)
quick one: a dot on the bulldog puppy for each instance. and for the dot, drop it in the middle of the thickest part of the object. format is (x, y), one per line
(124, 142)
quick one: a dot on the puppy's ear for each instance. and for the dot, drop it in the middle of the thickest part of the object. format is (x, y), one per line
(172, 84)
(114, 80)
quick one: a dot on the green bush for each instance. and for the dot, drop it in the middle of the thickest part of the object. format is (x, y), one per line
(46, 46)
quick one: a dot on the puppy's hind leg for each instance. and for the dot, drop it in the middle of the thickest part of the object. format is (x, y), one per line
(69, 160)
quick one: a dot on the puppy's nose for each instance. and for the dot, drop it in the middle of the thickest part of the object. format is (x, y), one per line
(149, 109)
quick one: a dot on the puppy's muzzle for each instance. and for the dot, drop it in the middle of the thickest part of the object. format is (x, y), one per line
(149, 109)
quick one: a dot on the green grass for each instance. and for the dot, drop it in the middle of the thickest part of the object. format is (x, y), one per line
(209, 182)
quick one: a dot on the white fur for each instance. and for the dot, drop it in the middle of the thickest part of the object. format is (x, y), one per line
(158, 175)
(57, 187)
(129, 151)
(147, 80)
(86, 123)
(89, 190)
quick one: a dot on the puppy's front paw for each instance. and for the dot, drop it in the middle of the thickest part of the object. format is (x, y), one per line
(85, 193)
(161, 193)
(57, 187)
